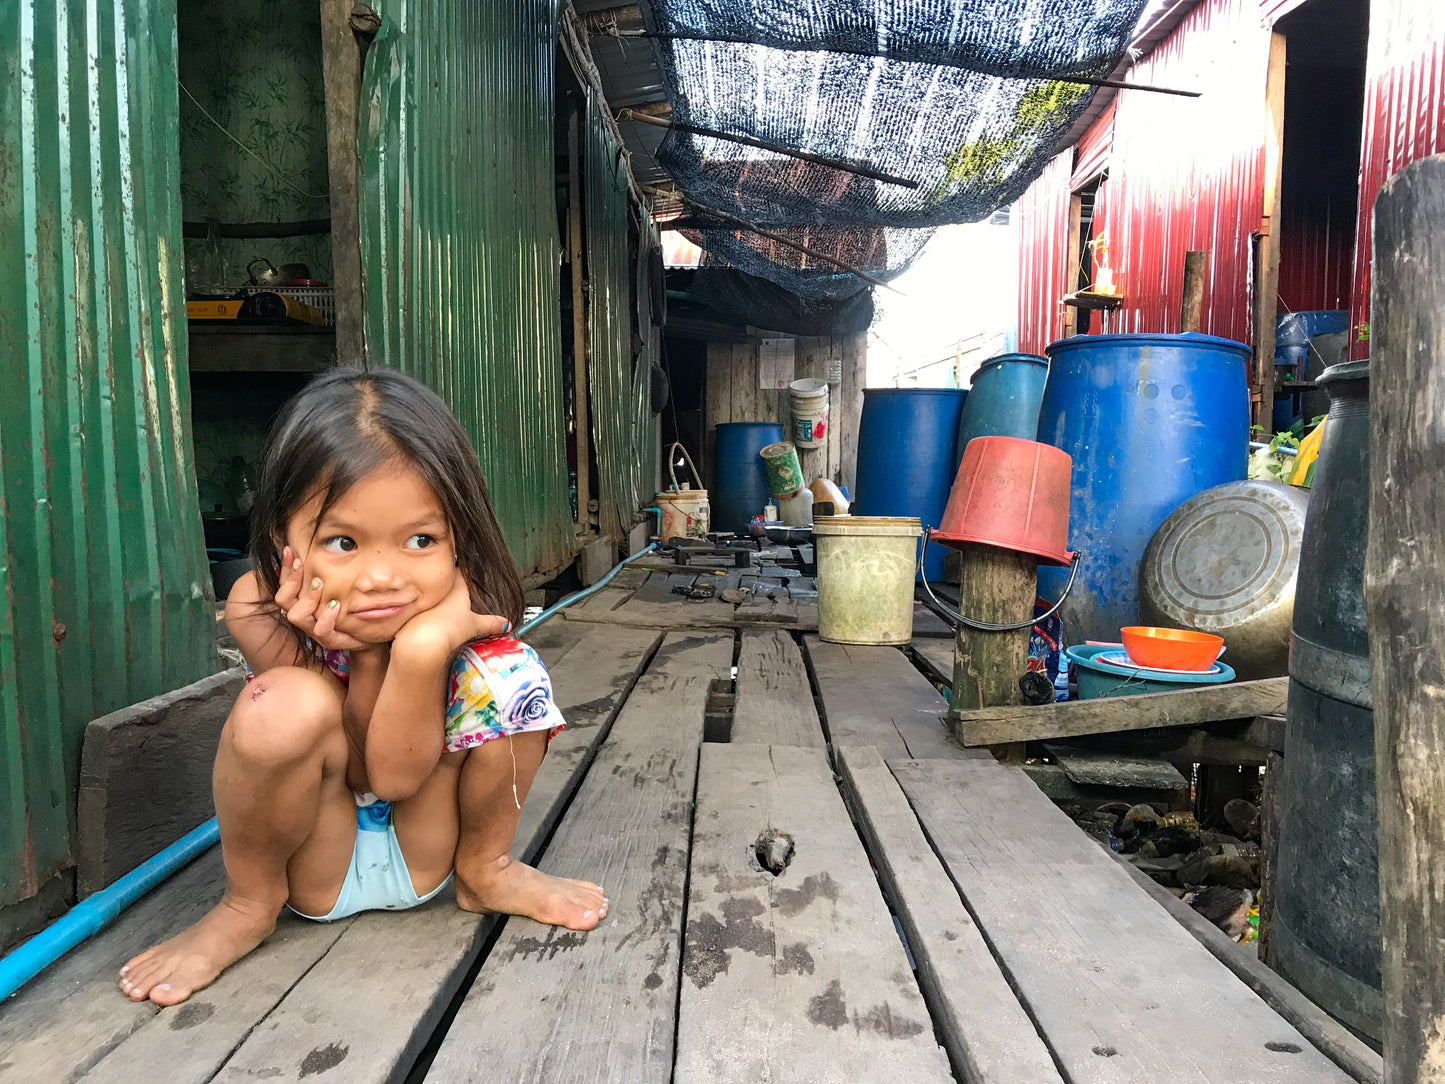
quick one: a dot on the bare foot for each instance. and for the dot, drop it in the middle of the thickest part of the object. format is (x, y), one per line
(510, 887)
(173, 970)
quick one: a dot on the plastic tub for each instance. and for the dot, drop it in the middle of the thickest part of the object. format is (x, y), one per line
(810, 411)
(1012, 494)
(866, 566)
(1097, 680)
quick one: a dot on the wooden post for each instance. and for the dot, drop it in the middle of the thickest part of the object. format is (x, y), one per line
(341, 78)
(1266, 263)
(998, 586)
(1191, 307)
(1074, 259)
(580, 346)
(1268, 848)
(1405, 606)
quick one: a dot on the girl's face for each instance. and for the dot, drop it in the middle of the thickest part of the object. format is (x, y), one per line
(383, 551)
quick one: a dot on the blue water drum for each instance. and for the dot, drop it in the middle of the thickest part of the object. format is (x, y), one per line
(740, 488)
(1150, 420)
(1003, 399)
(906, 458)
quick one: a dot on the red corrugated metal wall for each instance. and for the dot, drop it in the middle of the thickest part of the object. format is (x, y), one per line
(1043, 213)
(1184, 173)
(1404, 113)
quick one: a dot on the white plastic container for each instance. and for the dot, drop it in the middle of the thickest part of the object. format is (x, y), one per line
(810, 412)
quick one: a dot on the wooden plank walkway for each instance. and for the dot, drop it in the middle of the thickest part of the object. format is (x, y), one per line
(925, 915)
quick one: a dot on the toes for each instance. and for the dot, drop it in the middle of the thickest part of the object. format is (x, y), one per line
(166, 994)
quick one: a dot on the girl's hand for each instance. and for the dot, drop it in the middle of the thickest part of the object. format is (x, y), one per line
(301, 603)
(448, 625)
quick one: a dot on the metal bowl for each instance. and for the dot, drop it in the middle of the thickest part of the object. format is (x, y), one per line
(1225, 562)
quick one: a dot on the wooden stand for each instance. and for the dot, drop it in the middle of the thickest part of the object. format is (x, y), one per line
(999, 586)
(1405, 605)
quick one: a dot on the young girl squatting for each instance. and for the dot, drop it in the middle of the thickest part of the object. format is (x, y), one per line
(391, 731)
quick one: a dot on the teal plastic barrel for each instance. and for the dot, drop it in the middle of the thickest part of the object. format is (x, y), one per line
(1003, 399)
(740, 485)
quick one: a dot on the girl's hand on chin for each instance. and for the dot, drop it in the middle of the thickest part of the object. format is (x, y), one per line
(302, 604)
(448, 625)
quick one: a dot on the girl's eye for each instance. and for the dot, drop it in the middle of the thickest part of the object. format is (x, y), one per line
(339, 544)
(420, 542)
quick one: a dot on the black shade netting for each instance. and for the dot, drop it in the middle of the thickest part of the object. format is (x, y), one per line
(954, 96)
(738, 298)
(880, 252)
(998, 37)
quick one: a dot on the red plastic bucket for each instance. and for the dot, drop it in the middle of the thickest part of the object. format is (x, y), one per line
(1013, 494)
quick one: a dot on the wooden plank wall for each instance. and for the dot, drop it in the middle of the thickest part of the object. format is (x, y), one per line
(732, 395)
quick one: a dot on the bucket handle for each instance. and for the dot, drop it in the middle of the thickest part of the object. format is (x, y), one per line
(672, 469)
(950, 614)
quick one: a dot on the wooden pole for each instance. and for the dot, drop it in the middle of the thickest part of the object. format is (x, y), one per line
(1266, 261)
(580, 345)
(341, 62)
(1405, 606)
(1191, 308)
(997, 586)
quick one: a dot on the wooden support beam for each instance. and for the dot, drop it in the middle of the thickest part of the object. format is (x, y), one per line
(1077, 718)
(1266, 243)
(1405, 605)
(1191, 307)
(341, 65)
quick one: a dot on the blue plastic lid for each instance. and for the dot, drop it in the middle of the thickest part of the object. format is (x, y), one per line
(1188, 339)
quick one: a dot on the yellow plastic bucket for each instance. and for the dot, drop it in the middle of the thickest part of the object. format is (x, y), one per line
(866, 569)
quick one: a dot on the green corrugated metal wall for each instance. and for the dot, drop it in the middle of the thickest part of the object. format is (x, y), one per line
(620, 378)
(460, 243)
(104, 575)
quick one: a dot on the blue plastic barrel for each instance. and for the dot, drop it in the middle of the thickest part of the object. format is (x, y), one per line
(1150, 420)
(906, 459)
(740, 488)
(1003, 400)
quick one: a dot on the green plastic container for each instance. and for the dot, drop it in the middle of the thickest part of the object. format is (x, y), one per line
(1097, 679)
(784, 471)
(866, 566)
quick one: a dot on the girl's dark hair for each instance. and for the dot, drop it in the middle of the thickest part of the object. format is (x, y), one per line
(343, 425)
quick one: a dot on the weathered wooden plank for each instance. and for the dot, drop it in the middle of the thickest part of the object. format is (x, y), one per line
(554, 1005)
(928, 623)
(874, 696)
(1089, 767)
(405, 968)
(936, 656)
(989, 1037)
(1333, 1039)
(1405, 603)
(798, 976)
(1119, 991)
(1076, 718)
(73, 1022)
(774, 700)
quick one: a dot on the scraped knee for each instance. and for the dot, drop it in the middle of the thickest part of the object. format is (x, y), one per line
(282, 716)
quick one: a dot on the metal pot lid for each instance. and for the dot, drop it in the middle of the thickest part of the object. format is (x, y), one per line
(1226, 554)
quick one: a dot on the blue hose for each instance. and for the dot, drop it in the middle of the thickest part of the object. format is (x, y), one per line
(94, 913)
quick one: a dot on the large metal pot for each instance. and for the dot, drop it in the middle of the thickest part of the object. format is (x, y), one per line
(1225, 562)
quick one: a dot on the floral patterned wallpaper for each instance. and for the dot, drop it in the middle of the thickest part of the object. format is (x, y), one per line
(255, 66)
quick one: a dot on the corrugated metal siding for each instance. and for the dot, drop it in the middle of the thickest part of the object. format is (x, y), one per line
(620, 379)
(1404, 114)
(460, 243)
(1184, 173)
(104, 573)
(1043, 213)
(1095, 146)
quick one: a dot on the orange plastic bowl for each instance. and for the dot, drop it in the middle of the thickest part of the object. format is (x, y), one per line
(1170, 649)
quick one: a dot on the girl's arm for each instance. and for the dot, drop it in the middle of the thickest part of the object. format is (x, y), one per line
(407, 732)
(260, 631)
(405, 735)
